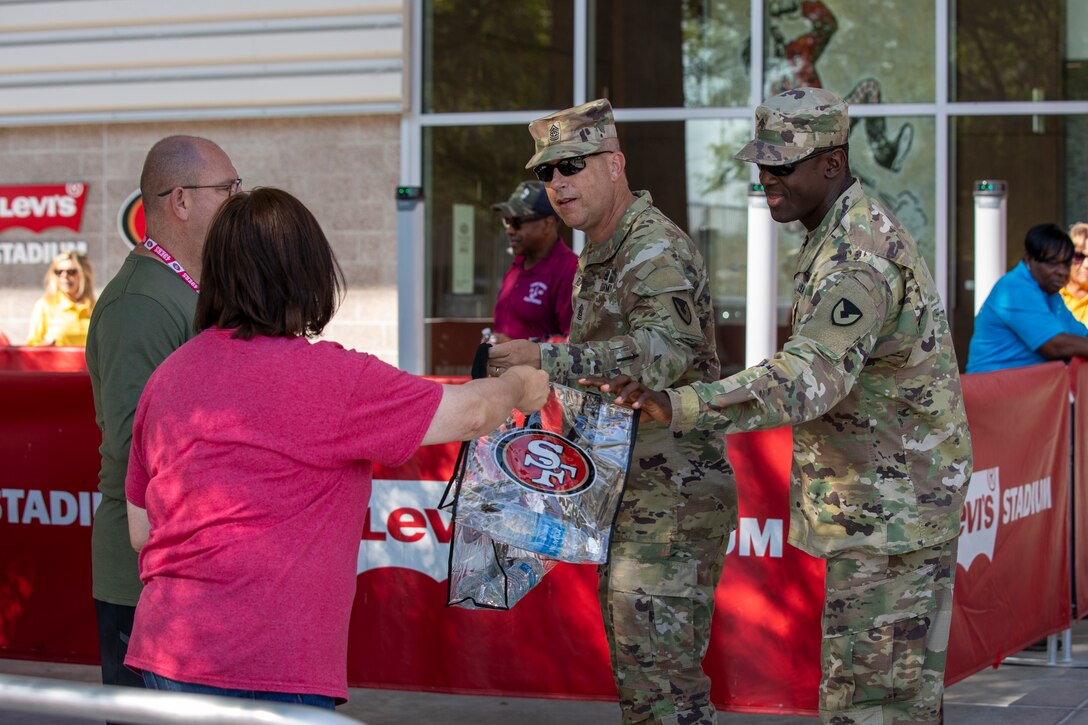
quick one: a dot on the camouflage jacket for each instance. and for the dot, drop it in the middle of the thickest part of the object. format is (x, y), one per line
(869, 380)
(641, 308)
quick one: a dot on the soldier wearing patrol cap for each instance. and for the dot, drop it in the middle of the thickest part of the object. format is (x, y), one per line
(641, 308)
(869, 380)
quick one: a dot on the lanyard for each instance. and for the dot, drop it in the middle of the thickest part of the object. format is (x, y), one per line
(168, 259)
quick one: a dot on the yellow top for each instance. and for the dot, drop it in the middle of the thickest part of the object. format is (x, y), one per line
(59, 322)
(1079, 308)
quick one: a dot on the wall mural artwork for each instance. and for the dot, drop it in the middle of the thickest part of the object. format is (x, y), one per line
(854, 48)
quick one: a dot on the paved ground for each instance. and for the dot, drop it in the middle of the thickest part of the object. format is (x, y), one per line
(1013, 694)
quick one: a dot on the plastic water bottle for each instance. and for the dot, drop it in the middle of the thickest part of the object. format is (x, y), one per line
(543, 534)
(484, 587)
(492, 588)
(521, 577)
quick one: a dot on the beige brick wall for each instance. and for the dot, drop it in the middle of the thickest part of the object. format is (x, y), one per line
(343, 168)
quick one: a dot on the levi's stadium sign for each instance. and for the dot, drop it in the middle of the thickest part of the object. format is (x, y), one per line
(42, 207)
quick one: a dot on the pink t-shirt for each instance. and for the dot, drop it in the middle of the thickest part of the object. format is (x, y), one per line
(252, 459)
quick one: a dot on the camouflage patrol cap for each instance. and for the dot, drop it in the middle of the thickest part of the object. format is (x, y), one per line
(793, 124)
(574, 132)
(529, 198)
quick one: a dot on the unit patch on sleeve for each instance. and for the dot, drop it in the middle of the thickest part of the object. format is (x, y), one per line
(844, 313)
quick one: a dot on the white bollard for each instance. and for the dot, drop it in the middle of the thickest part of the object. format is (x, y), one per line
(762, 294)
(411, 353)
(991, 201)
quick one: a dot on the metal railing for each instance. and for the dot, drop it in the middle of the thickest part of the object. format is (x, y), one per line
(42, 696)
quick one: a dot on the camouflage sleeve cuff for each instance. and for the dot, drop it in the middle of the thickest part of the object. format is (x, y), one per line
(555, 360)
(685, 408)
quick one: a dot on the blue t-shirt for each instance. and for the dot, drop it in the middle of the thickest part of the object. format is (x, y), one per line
(1015, 321)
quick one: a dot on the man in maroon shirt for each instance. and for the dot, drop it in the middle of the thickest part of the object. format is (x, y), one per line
(535, 300)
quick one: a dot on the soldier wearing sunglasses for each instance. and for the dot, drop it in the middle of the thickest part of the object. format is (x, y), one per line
(641, 308)
(869, 381)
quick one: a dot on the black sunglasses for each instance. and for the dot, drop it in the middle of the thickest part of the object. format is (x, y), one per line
(1079, 257)
(515, 222)
(566, 167)
(787, 169)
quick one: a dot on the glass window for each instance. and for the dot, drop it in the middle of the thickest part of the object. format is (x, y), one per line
(867, 51)
(1019, 51)
(1030, 153)
(466, 170)
(497, 55)
(696, 52)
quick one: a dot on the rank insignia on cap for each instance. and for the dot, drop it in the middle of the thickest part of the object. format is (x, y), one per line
(845, 313)
(553, 133)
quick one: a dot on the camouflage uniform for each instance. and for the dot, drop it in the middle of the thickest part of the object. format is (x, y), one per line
(642, 308)
(882, 455)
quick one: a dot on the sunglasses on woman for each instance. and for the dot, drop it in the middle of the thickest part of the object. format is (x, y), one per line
(566, 167)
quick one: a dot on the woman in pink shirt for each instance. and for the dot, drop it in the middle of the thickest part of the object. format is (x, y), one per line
(251, 463)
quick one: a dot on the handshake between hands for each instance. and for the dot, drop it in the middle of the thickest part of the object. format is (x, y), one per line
(630, 393)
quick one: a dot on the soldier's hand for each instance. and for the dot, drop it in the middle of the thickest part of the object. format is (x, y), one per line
(631, 393)
(506, 355)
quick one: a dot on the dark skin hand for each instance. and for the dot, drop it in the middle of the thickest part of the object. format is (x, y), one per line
(630, 393)
(1064, 346)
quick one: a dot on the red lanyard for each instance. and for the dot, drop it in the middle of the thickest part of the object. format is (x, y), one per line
(168, 259)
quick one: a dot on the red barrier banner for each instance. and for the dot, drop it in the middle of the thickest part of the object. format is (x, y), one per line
(1012, 584)
(765, 637)
(44, 359)
(1078, 370)
(48, 493)
(764, 650)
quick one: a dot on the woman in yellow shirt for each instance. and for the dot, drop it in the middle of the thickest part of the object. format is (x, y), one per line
(1075, 292)
(62, 314)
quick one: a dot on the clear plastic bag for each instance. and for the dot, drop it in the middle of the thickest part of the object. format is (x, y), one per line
(488, 575)
(543, 491)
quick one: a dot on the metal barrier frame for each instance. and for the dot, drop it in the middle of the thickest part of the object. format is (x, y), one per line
(43, 696)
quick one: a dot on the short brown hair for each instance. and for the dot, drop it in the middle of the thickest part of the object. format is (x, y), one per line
(267, 269)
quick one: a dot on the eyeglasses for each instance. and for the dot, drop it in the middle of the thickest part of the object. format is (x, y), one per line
(566, 167)
(63, 272)
(515, 222)
(232, 187)
(787, 169)
(1078, 258)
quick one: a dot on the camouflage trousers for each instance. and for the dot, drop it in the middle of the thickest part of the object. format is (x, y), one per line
(886, 621)
(657, 591)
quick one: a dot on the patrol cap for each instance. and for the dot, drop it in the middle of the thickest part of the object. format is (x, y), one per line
(574, 132)
(793, 124)
(530, 197)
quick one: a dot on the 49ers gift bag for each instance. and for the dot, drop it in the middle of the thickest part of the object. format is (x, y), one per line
(528, 495)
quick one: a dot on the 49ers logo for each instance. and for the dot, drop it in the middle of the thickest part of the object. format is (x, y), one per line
(544, 461)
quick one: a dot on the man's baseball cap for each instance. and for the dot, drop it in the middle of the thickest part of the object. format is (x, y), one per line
(793, 124)
(529, 198)
(574, 132)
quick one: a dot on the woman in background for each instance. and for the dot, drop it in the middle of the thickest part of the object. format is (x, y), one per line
(62, 314)
(250, 470)
(1075, 292)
